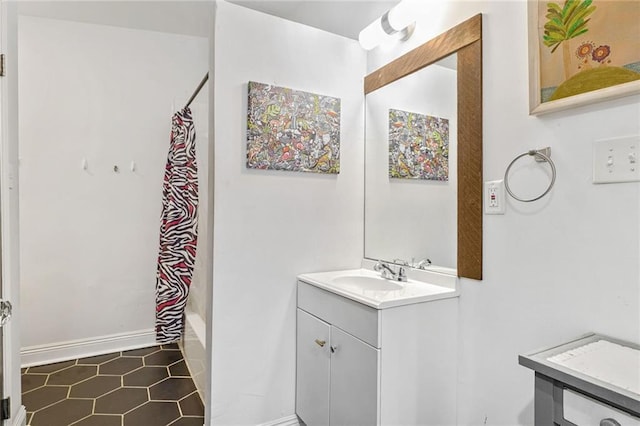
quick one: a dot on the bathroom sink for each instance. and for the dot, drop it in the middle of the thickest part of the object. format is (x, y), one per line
(367, 283)
(369, 288)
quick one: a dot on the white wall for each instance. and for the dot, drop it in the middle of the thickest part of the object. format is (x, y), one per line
(554, 269)
(89, 238)
(271, 226)
(197, 301)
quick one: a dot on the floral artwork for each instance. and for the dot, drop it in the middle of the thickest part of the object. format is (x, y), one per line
(586, 45)
(292, 130)
(418, 146)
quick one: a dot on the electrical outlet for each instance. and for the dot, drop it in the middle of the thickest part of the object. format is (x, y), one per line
(616, 160)
(494, 201)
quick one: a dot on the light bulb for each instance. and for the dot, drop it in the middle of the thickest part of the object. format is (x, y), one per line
(401, 15)
(372, 35)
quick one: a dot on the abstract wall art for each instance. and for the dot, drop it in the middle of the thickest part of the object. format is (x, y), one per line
(582, 51)
(418, 146)
(292, 130)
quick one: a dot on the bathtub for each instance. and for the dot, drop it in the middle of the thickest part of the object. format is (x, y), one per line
(193, 349)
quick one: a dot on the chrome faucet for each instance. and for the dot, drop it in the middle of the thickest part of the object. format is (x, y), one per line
(388, 273)
(423, 264)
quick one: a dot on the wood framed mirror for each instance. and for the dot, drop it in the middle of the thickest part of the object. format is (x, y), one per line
(465, 40)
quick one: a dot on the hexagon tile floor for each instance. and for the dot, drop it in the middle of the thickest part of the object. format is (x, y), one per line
(142, 387)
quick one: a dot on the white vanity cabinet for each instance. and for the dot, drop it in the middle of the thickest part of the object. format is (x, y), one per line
(336, 375)
(358, 365)
(313, 368)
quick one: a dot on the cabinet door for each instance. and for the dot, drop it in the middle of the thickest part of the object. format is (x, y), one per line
(312, 370)
(354, 381)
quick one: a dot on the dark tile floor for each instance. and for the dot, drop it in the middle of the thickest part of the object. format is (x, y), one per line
(142, 387)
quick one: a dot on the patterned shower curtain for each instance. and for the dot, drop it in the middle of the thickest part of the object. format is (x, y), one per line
(178, 229)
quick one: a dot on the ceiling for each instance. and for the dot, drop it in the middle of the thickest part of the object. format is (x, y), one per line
(179, 17)
(342, 17)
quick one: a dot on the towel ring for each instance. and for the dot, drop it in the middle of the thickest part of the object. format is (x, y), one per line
(543, 157)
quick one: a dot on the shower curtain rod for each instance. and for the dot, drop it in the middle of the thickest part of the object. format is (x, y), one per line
(195, 93)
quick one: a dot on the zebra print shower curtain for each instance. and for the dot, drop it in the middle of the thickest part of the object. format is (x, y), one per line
(178, 229)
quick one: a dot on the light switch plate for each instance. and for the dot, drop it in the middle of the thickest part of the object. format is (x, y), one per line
(494, 201)
(616, 160)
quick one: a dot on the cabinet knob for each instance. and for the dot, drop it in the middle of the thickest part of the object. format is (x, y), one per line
(333, 349)
(320, 343)
(609, 422)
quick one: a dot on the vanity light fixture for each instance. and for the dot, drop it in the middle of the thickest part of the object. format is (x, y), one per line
(397, 22)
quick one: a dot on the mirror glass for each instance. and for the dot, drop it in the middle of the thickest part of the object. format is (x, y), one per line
(411, 169)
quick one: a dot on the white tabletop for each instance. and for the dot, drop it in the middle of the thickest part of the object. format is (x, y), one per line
(607, 361)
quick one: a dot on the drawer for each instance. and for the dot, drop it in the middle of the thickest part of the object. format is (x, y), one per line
(584, 411)
(355, 318)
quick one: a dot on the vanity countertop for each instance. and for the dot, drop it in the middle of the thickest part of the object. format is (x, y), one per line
(367, 287)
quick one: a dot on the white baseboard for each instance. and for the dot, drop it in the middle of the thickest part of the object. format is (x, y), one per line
(21, 418)
(63, 351)
(291, 420)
